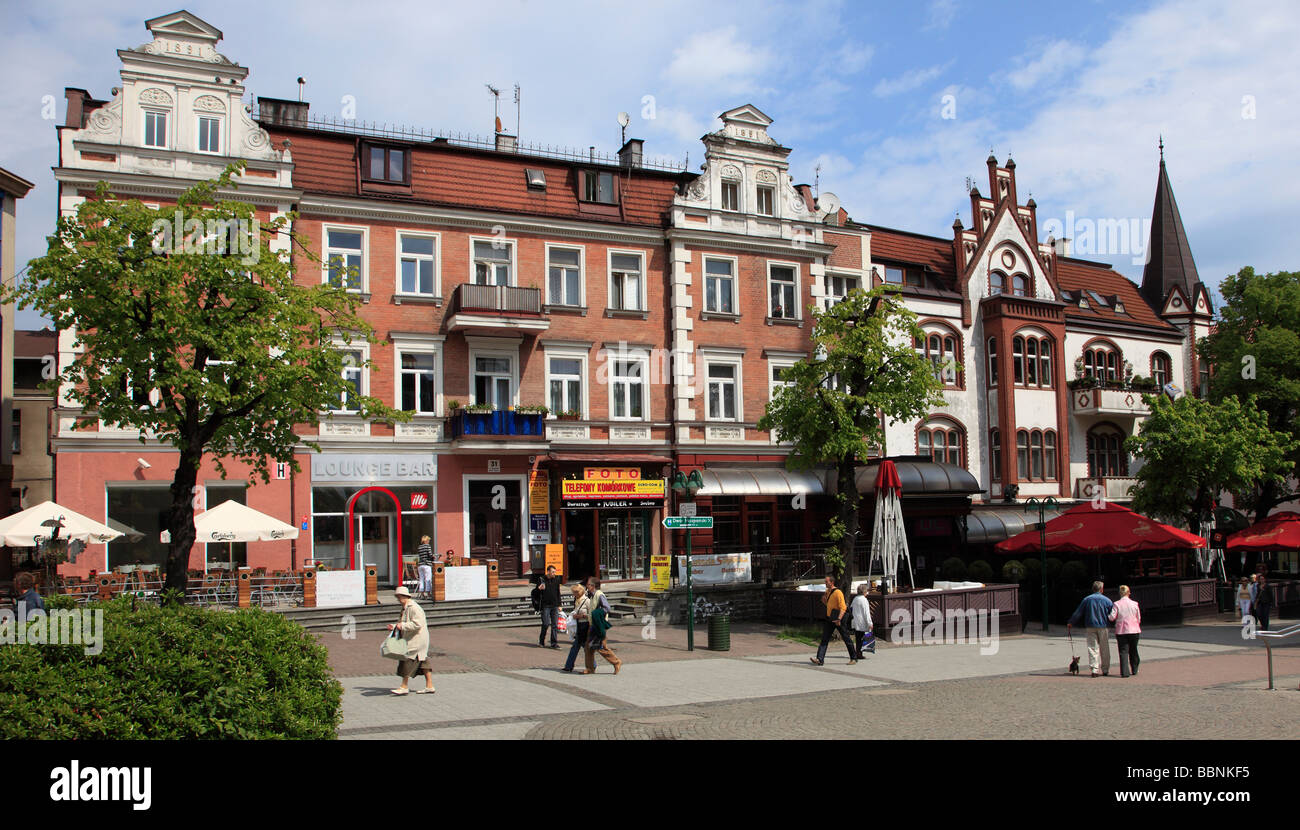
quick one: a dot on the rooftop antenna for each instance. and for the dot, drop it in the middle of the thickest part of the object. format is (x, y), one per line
(623, 120)
(302, 82)
(969, 184)
(517, 99)
(1162, 147)
(496, 104)
(817, 178)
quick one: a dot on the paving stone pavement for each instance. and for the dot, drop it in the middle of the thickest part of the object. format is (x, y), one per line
(1195, 682)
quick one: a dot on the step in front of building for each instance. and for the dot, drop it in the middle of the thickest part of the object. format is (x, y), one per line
(504, 612)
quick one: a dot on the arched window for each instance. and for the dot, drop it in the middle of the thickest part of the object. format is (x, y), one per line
(943, 440)
(1031, 362)
(1045, 362)
(995, 453)
(1036, 454)
(997, 282)
(1049, 454)
(993, 361)
(1020, 285)
(1106, 454)
(1018, 359)
(942, 349)
(1022, 455)
(1160, 368)
(1101, 361)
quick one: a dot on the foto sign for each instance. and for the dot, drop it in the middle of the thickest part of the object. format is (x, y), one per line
(688, 522)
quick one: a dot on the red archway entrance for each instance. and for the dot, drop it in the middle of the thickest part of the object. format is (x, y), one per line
(352, 548)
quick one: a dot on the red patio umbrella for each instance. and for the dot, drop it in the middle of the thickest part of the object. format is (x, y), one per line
(1281, 531)
(1111, 528)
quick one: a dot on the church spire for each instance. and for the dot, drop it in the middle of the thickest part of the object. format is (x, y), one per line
(1169, 256)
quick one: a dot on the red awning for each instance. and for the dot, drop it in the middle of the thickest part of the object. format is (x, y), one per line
(1111, 528)
(1281, 531)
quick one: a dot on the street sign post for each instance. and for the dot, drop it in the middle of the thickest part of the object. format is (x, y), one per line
(688, 523)
(688, 510)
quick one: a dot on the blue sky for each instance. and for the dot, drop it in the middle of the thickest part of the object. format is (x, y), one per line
(1077, 93)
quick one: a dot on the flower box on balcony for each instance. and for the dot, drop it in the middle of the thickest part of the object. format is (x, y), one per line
(498, 422)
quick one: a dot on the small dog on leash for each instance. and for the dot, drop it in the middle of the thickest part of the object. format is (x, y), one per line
(1074, 665)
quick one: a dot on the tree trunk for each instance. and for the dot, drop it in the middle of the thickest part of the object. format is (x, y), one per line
(1268, 499)
(180, 520)
(850, 502)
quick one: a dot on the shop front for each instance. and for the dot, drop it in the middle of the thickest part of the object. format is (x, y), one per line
(608, 516)
(371, 509)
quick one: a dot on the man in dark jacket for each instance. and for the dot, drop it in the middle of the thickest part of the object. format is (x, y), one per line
(29, 597)
(548, 601)
(1094, 613)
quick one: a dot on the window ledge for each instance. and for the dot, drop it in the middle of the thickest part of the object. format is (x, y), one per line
(784, 321)
(618, 312)
(387, 187)
(581, 310)
(719, 315)
(417, 299)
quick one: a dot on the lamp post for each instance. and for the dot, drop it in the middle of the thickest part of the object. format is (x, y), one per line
(688, 486)
(1042, 505)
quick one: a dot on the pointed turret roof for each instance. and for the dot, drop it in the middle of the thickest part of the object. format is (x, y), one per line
(1169, 257)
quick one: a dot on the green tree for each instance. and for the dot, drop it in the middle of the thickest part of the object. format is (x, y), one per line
(1194, 449)
(1253, 350)
(192, 330)
(830, 406)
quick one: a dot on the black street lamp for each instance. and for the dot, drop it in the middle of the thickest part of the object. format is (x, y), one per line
(688, 486)
(1042, 505)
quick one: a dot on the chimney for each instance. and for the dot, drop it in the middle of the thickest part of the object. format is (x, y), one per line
(507, 143)
(282, 113)
(77, 98)
(1061, 246)
(630, 155)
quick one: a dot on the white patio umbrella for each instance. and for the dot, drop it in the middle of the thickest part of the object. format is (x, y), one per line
(21, 530)
(888, 536)
(232, 522)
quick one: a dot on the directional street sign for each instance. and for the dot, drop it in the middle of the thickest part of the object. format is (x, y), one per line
(688, 523)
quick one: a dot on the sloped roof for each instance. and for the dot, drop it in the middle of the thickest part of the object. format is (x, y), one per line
(889, 245)
(1170, 262)
(1081, 275)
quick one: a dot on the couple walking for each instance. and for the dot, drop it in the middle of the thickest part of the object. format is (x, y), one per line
(591, 616)
(837, 614)
(1097, 612)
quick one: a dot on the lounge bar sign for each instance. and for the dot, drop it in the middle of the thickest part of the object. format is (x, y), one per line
(391, 467)
(612, 492)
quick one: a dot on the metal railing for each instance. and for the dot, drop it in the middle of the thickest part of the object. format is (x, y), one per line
(1268, 646)
(505, 299)
(401, 132)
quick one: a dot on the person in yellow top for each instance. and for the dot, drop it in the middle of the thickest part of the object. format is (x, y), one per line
(833, 599)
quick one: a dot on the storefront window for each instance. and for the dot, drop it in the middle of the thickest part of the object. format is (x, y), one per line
(236, 552)
(140, 512)
(330, 531)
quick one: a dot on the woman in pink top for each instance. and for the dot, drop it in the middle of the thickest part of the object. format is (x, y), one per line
(1128, 626)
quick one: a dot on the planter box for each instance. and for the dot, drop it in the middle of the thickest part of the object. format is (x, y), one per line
(503, 423)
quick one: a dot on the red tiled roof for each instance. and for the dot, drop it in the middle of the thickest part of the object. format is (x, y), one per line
(1081, 275)
(35, 343)
(889, 245)
(443, 174)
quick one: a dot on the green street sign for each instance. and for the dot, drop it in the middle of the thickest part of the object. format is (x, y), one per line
(685, 523)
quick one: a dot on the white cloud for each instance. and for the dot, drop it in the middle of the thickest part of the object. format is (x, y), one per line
(1051, 61)
(719, 60)
(907, 82)
(940, 14)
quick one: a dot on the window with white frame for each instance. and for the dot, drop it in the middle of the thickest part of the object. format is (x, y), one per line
(494, 381)
(493, 262)
(783, 292)
(209, 134)
(720, 286)
(155, 128)
(345, 258)
(766, 201)
(354, 376)
(776, 378)
(628, 389)
(417, 264)
(838, 287)
(625, 282)
(564, 276)
(564, 382)
(418, 382)
(722, 382)
(730, 195)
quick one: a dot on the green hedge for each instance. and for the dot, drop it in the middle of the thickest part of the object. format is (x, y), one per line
(953, 569)
(173, 673)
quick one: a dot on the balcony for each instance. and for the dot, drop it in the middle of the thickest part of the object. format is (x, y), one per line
(1109, 401)
(497, 424)
(497, 309)
(1111, 488)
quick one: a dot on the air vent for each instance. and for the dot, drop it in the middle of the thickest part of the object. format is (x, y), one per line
(536, 179)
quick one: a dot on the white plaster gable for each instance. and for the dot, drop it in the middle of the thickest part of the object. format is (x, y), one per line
(1008, 251)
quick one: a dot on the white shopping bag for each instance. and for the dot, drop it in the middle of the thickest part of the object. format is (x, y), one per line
(568, 625)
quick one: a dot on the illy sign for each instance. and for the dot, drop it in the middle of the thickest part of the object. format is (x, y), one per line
(419, 501)
(374, 467)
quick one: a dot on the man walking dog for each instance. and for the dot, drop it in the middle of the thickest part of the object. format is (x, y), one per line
(1094, 612)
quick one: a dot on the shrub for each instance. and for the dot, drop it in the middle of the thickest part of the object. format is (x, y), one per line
(953, 569)
(980, 571)
(1013, 570)
(1053, 570)
(176, 672)
(1074, 574)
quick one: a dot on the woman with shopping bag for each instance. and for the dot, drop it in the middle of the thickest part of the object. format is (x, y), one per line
(414, 630)
(600, 625)
(579, 625)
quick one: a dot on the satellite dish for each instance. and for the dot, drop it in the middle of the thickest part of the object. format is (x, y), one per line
(624, 119)
(827, 204)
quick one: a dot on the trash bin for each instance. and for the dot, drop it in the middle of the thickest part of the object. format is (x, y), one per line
(720, 632)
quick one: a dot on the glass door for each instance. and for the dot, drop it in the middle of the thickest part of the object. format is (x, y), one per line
(374, 539)
(613, 547)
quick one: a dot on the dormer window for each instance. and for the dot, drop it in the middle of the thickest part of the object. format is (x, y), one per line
(536, 179)
(597, 186)
(385, 164)
(155, 128)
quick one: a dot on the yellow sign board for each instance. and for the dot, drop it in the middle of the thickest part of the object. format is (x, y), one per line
(611, 473)
(631, 489)
(661, 572)
(555, 556)
(539, 492)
